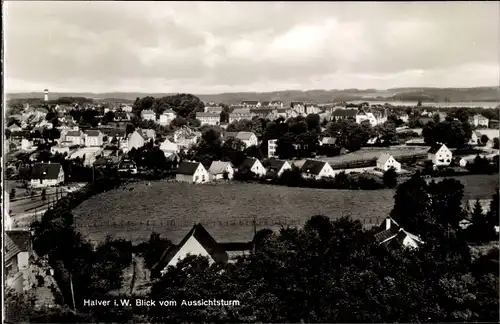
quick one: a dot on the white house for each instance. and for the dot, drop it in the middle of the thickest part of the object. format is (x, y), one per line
(277, 167)
(313, 169)
(387, 161)
(59, 149)
(148, 115)
(93, 138)
(249, 138)
(46, 175)
(18, 250)
(166, 117)
(26, 145)
(254, 166)
(75, 137)
(219, 168)
(14, 128)
(479, 120)
(462, 162)
(208, 118)
(393, 235)
(169, 148)
(193, 172)
(135, 140)
(440, 155)
(251, 103)
(272, 144)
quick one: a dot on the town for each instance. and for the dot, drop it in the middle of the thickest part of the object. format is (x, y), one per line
(56, 148)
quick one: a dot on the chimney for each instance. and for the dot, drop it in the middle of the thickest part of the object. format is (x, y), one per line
(387, 223)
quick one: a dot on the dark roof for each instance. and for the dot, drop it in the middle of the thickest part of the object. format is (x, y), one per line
(265, 103)
(16, 242)
(312, 166)
(345, 112)
(206, 240)
(386, 234)
(236, 246)
(262, 111)
(435, 148)
(207, 114)
(112, 132)
(249, 162)
(275, 165)
(187, 168)
(20, 134)
(293, 103)
(92, 132)
(73, 133)
(45, 170)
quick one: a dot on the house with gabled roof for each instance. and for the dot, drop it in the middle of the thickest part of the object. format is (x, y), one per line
(275, 167)
(314, 169)
(440, 155)
(18, 249)
(276, 103)
(192, 172)
(341, 114)
(249, 138)
(251, 103)
(391, 234)
(166, 117)
(93, 138)
(148, 114)
(75, 137)
(253, 165)
(14, 128)
(218, 169)
(135, 140)
(387, 161)
(46, 175)
(207, 118)
(240, 114)
(169, 148)
(198, 242)
(127, 166)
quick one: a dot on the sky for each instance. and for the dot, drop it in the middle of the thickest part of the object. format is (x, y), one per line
(215, 47)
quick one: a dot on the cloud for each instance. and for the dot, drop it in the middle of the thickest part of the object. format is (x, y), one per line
(203, 47)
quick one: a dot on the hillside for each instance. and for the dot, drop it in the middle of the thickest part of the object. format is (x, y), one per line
(317, 96)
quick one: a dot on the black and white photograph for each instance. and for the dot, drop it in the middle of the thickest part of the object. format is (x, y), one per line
(250, 162)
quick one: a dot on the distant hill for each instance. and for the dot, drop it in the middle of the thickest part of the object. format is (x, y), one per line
(317, 96)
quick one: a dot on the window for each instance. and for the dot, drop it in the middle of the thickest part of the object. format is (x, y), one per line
(196, 179)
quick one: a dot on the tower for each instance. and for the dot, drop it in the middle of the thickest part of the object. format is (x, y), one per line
(46, 96)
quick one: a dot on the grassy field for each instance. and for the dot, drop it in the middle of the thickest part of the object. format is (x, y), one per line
(366, 154)
(227, 210)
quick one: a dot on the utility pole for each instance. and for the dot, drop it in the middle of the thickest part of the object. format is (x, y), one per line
(254, 232)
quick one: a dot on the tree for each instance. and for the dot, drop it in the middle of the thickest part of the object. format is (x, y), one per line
(44, 195)
(453, 133)
(390, 178)
(495, 143)
(129, 129)
(484, 139)
(12, 194)
(285, 148)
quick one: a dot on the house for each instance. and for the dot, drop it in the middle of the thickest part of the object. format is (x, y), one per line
(214, 109)
(208, 118)
(135, 140)
(310, 108)
(479, 120)
(169, 148)
(94, 138)
(271, 147)
(126, 108)
(277, 167)
(218, 169)
(249, 138)
(19, 135)
(387, 161)
(341, 114)
(185, 137)
(439, 154)
(26, 145)
(393, 235)
(40, 113)
(193, 172)
(251, 103)
(328, 141)
(314, 169)
(14, 128)
(46, 174)
(112, 133)
(166, 117)
(362, 116)
(253, 165)
(75, 137)
(127, 166)
(475, 138)
(462, 162)
(240, 114)
(148, 134)
(148, 114)
(262, 112)
(299, 107)
(198, 242)
(276, 104)
(18, 250)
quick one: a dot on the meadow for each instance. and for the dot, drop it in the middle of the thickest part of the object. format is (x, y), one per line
(227, 211)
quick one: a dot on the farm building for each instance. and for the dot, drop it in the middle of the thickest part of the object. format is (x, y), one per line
(254, 166)
(387, 161)
(46, 175)
(193, 172)
(440, 155)
(277, 167)
(393, 235)
(219, 168)
(198, 242)
(313, 169)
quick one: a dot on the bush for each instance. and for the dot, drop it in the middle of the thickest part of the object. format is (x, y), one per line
(390, 178)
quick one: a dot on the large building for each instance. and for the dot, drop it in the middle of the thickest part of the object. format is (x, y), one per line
(208, 118)
(46, 175)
